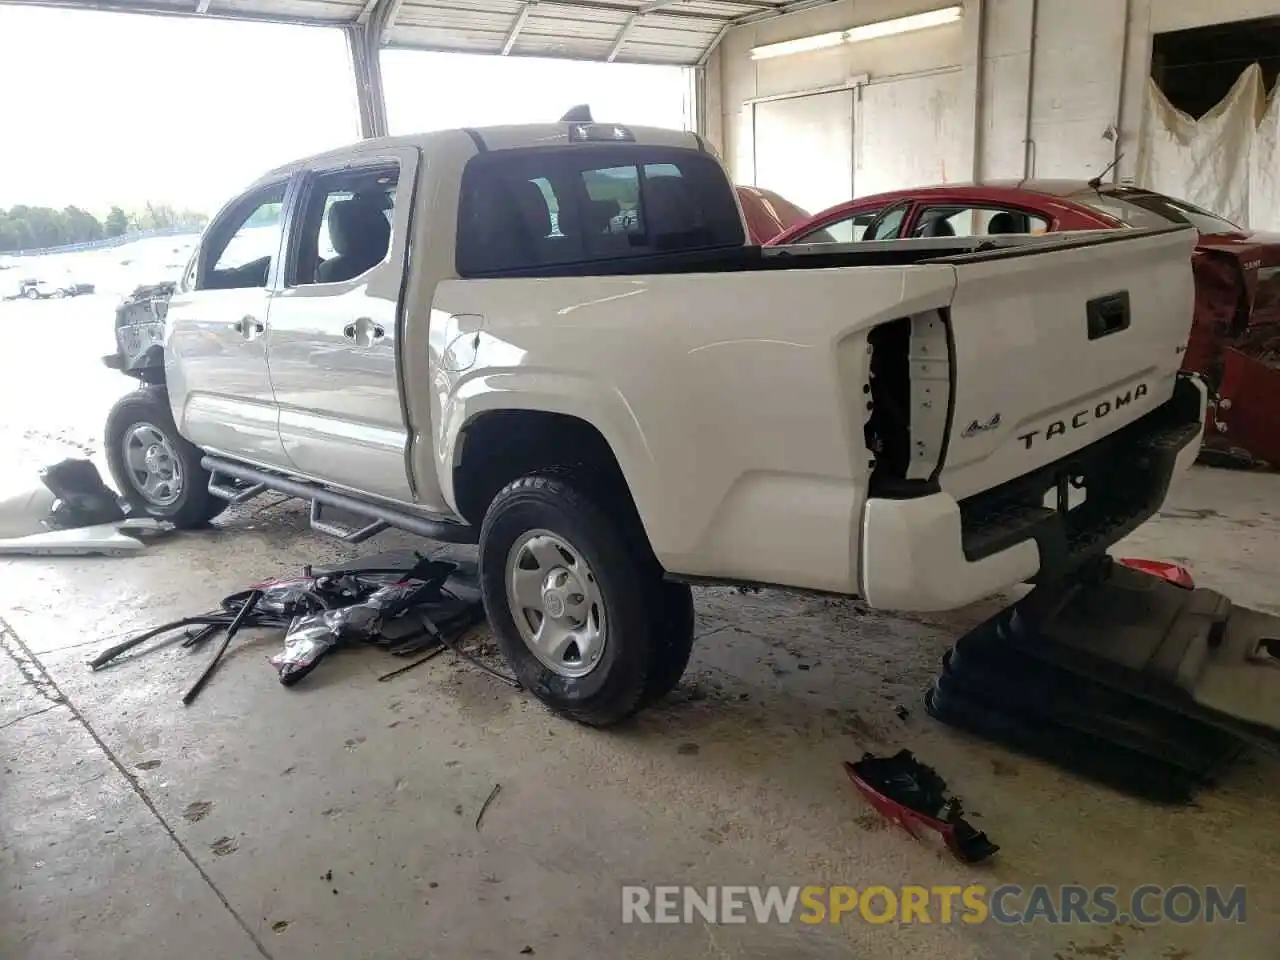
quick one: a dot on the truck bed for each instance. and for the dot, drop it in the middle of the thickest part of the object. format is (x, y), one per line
(825, 256)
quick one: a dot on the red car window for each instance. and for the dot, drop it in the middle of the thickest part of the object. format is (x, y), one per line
(976, 220)
(889, 226)
(876, 223)
(845, 229)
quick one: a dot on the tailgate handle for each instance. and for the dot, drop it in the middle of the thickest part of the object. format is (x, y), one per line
(1108, 315)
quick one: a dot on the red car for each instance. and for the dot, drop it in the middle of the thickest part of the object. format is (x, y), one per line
(767, 214)
(1235, 337)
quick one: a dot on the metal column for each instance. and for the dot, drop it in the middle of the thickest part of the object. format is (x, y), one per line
(365, 38)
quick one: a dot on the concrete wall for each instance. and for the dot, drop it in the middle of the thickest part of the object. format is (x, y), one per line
(1080, 65)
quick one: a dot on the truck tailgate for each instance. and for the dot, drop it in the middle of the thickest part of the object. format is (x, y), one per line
(1059, 344)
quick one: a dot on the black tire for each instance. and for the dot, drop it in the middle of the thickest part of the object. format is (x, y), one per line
(672, 642)
(625, 574)
(194, 506)
(32, 294)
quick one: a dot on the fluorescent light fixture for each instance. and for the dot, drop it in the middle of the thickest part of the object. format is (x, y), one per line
(869, 31)
(919, 21)
(803, 45)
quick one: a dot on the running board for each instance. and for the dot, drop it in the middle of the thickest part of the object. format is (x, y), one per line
(237, 483)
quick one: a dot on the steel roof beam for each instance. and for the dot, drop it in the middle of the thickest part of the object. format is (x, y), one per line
(517, 25)
(621, 38)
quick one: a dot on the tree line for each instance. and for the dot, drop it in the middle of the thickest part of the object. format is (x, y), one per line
(29, 228)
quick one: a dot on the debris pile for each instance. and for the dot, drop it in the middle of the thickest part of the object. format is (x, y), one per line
(404, 608)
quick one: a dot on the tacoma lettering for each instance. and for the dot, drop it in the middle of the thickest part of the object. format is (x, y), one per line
(1082, 418)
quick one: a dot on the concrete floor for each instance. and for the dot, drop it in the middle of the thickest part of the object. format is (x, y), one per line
(336, 819)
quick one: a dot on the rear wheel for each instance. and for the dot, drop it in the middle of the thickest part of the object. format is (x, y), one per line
(155, 468)
(32, 293)
(567, 586)
(672, 641)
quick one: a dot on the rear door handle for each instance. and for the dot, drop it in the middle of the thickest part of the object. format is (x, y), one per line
(364, 332)
(249, 327)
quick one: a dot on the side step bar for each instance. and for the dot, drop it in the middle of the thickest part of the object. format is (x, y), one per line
(238, 483)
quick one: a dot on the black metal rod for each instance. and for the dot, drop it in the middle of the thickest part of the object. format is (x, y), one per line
(208, 619)
(239, 620)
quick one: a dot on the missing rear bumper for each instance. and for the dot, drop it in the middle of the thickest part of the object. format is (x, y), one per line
(1126, 477)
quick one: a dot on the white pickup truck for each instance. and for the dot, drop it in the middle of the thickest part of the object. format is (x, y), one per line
(555, 341)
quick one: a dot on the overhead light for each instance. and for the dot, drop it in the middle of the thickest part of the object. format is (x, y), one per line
(869, 31)
(918, 21)
(803, 45)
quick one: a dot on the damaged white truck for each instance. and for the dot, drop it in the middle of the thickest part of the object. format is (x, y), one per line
(555, 341)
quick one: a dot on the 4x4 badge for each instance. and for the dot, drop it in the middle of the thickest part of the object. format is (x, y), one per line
(975, 428)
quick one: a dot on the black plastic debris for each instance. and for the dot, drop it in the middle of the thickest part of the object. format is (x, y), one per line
(404, 609)
(379, 606)
(1099, 675)
(913, 795)
(83, 500)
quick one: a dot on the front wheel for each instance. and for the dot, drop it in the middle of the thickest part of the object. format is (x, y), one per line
(568, 587)
(154, 467)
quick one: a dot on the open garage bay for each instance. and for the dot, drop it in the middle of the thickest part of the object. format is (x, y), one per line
(338, 819)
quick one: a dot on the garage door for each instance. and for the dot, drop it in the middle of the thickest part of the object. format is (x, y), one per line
(909, 133)
(804, 148)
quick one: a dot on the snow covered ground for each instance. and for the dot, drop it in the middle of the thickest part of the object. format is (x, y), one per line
(54, 390)
(116, 270)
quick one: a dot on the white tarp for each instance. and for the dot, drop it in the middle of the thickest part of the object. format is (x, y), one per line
(1264, 172)
(1207, 161)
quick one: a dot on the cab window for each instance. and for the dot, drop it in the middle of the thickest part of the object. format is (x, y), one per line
(345, 227)
(243, 242)
(522, 210)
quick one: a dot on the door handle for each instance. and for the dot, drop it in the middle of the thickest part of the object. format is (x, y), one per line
(364, 332)
(1107, 315)
(249, 327)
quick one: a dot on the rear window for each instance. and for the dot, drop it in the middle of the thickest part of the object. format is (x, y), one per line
(1142, 209)
(524, 209)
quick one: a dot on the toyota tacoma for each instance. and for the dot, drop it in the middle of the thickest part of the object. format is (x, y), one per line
(555, 341)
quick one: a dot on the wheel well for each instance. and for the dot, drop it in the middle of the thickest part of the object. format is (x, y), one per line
(503, 445)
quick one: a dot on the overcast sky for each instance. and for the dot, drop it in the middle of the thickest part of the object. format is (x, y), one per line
(102, 108)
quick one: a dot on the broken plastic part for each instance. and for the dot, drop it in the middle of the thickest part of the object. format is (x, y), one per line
(912, 794)
(1175, 573)
(314, 632)
(83, 500)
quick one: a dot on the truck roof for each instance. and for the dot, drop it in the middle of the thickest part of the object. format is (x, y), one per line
(510, 137)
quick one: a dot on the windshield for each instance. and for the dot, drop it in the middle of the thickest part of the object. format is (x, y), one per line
(1141, 209)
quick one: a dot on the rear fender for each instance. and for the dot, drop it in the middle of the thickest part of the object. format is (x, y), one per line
(591, 401)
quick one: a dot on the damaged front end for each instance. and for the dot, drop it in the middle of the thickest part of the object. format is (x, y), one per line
(139, 332)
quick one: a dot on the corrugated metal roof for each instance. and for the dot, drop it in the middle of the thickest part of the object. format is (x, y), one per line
(626, 31)
(678, 32)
